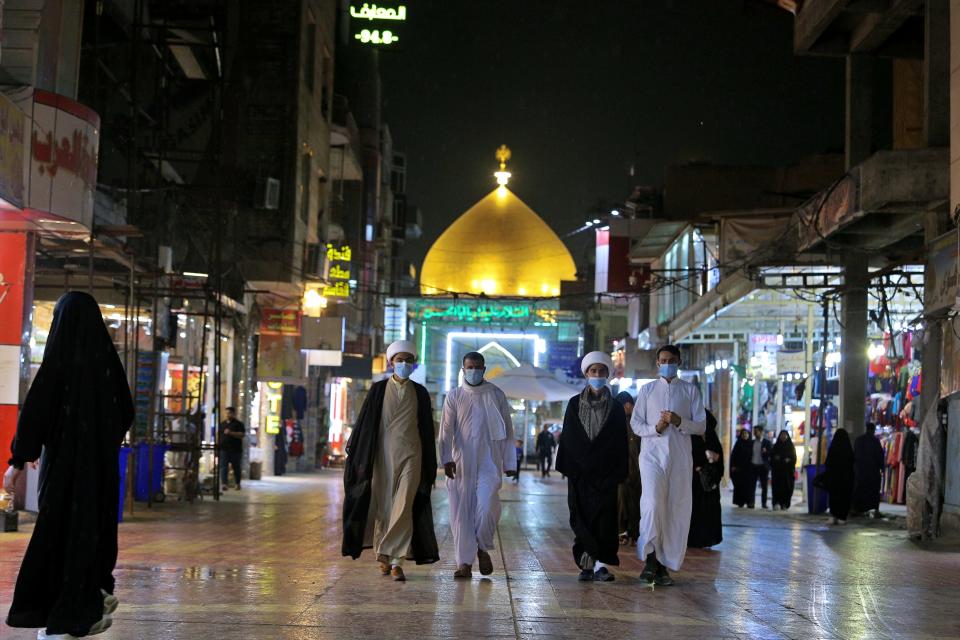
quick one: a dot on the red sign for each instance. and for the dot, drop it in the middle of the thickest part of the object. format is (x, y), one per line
(280, 322)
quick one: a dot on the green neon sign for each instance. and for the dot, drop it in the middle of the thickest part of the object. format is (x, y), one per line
(377, 23)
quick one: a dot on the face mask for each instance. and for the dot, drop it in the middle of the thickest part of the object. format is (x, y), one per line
(473, 376)
(403, 370)
(597, 383)
(669, 370)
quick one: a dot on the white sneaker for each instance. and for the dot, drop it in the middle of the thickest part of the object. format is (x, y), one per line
(110, 602)
(42, 635)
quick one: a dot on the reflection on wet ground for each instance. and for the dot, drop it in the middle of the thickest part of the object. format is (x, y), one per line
(265, 563)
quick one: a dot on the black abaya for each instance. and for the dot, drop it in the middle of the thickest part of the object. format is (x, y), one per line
(706, 528)
(868, 462)
(840, 474)
(741, 472)
(76, 412)
(594, 469)
(783, 463)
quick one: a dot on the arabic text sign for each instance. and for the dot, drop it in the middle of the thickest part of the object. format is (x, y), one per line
(378, 24)
(64, 143)
(280, 322)
(943, 272)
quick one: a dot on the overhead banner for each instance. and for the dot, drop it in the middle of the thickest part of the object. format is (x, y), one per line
(741, 238)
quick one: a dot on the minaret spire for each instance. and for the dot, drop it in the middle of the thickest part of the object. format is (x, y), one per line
(503, 155)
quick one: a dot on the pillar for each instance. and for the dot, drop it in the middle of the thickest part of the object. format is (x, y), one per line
(17, 253)
(858, 129)
(853, 353)
(936, 73)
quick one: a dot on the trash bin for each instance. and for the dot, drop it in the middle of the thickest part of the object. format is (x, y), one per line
(149, 478)
(822, 502)
(256, 470)
(124, 457)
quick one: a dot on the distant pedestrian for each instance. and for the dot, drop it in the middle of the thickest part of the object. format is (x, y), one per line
(593, 457)
(668, 411)
(839, 476)
(760, 462)
(868, 461)
(783, 465)
(546, 443)
(706, 527)
(280, 454)
(390, 471)
(477, 450)
(741, 470)
(76, 412)
(231, 448)
(629, 491)
(519, 447)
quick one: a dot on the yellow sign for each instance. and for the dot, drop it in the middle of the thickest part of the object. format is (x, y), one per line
(338, 273)
(337, 290)
(342, 253)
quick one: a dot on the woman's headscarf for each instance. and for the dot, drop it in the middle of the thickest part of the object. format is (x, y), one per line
(840, 454)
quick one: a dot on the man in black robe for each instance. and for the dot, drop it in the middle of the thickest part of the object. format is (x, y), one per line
(359, 477)
(77, 412)
(593, 456)
(546, 443)
(868, 463)
(629, 491)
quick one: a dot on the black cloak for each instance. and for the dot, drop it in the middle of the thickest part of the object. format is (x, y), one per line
(783, 464)
(706, 528)
(361, 456)
(868, 462)
(77, 412)
(594, 471)
(741, 472)
(840, 474)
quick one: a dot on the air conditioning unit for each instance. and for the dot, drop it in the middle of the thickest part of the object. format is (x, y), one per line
(268, 194)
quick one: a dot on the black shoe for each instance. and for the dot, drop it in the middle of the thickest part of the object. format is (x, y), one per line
(586, 561)
(662, 579)
(586, 575)
(749, 506)
(650, 568)
(602, 575)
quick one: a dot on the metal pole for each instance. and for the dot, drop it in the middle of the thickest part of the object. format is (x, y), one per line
(823, 392)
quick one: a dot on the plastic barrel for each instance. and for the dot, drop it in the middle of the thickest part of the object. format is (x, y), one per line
(149, 481)
(822, 502)
(124, 457)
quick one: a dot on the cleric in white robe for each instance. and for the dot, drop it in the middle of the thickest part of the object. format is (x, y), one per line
(476, 449)
(667, 412)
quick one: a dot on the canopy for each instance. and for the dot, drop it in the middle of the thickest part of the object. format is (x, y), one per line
(527, 382)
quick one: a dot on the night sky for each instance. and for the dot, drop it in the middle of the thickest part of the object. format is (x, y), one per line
(581, 91)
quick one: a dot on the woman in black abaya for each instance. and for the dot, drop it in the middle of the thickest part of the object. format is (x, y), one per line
(76, 413)
(839, 476)
(706, 529)
(783, 463)
(741, 470)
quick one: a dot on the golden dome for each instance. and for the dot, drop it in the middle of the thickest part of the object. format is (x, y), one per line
(499, 247)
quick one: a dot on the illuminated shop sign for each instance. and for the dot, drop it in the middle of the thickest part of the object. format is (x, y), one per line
(462, 312)
(377, 24)
(280, 322)
(339, 272)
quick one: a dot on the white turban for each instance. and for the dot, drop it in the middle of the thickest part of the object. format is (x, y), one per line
(401, 346)
(597, 357)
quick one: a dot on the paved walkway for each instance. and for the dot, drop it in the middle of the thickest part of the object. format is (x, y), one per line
(265, 564)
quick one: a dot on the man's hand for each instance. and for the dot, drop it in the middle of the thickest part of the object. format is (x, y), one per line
(671, 418)
(511, 473)
(10, 479)
(662, 426)
(450, 470)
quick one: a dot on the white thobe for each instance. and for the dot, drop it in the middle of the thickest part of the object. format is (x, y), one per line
(666, 467)
(477, 434)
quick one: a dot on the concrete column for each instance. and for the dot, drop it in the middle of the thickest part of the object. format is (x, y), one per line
(854, 359)
(936, 73)
(858, 140)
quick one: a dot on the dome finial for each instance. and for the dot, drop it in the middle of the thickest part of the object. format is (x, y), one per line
(503, 155)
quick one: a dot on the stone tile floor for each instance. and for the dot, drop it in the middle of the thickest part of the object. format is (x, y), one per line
(265, 563)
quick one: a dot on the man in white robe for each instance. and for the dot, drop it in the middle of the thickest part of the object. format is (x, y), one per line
(667, 412)
(476, 449)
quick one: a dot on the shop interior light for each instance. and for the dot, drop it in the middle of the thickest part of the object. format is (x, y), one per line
(709, 370)
(780, 339)
(626, 383)
(596, 221)
(589, 223)
(718, 364)
(614, 212)
(724, 364)
(195, 274)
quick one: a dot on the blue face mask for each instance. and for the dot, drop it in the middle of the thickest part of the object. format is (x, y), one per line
(403, 369)
(597, 383)
(669, 370)
(473, 376)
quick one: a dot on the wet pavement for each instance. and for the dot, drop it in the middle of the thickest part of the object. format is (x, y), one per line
(265, 563)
